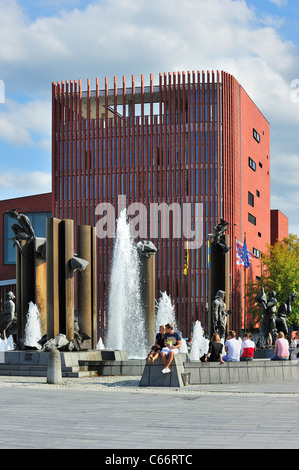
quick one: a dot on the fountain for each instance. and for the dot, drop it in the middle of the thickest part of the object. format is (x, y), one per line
(126, 318)
(200, 344)
(33, 328)
(100, 344)
(166, 314)
(7, 344)
(165, 311)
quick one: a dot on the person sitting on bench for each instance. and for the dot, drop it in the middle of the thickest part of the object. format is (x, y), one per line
(172, 342)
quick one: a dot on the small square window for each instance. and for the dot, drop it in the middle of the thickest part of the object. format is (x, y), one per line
(257, 193)
(250, 199)
(256, 253)
(251, 219)
(252, 164)
(256, 136)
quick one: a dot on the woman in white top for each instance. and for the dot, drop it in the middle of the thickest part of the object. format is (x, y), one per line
(232, 348)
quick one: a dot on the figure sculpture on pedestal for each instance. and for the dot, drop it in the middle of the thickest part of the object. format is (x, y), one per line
(218, 235)
(268, 324)
(8, 319)
(23, 231)
(285, 309)
(219, 314)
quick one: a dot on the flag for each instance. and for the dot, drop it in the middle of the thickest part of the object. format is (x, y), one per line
(186, 261)
(243, 256)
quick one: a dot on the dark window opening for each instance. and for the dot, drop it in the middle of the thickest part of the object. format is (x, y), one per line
(256, 253)
(256, 136)
(252, 164)
(251, 219)
(250, 199)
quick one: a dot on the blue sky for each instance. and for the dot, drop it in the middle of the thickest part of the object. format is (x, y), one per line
(255, 40)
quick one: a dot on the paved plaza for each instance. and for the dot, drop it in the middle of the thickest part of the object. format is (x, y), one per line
(114, 413)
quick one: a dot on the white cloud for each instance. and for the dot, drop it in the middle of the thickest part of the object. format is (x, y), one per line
(125, 37)
(21, 122)
(25, 184)
(279, 3)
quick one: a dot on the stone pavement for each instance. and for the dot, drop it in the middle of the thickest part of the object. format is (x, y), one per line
(113, 414)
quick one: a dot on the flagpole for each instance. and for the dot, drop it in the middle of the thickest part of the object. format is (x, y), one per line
(245, 286)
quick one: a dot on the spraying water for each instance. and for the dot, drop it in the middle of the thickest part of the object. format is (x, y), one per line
(200, 345)
(33, 327)
(100, 344)
(197, 341)
(7, 344)
(126, 318)
(165, 312)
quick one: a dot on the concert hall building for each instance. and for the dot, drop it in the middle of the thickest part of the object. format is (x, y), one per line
(192, 138)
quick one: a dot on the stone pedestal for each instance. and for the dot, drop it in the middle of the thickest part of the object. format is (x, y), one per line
(31, 284)
(153, 377)
(54, 374)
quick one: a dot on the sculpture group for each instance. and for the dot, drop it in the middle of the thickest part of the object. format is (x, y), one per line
(274, 321)
(45, 276)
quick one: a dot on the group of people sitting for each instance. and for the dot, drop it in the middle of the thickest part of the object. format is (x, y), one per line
(235, 350)
(168, 343)
(244, 351)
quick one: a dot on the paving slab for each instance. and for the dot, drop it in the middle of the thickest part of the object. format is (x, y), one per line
(115, 414)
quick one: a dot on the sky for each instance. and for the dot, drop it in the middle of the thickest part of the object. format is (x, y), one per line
(257, 41)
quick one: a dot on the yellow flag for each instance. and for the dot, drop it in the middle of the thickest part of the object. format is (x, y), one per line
(186, 262)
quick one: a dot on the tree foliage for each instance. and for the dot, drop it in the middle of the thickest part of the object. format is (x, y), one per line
(280, 265)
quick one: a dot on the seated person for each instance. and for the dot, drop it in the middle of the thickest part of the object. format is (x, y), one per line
(247, 347)
(157, 348)
(215, 350)
(281, 349)
(172, 344)
(232, 347)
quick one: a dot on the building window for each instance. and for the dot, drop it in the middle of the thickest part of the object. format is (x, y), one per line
(259, 234)
(251, 219)
(260, 165)
(252, 164)
(250, 199)
(257, 193)
(256, 136)
(38, 221)
(256, 253)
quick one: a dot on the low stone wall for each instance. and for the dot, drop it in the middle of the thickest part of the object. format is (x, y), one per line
(35, 363)
(126, 367)
(258, 370)
(153, 377)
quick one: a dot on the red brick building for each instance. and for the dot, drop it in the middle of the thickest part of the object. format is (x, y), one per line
(193, 137)
(279, 226)
(190, 138)
(37, 208)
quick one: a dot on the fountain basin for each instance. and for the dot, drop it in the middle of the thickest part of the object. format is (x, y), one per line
(35, 363)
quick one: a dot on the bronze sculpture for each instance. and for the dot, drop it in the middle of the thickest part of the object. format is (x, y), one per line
(23, 230)
(219, 314)
(268, 323)
(285, 309)
(218, 235)
(8, 318)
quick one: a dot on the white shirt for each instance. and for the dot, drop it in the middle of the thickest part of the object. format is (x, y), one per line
(234, 348)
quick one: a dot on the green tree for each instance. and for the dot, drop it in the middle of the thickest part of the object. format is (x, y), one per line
(280, 273)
